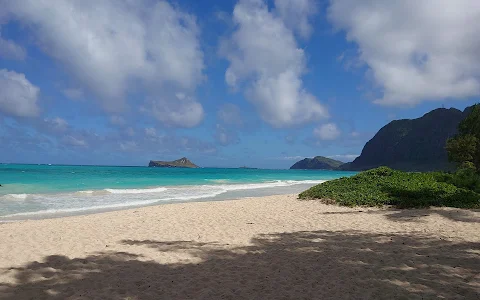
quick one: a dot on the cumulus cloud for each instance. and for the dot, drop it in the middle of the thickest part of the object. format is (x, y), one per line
(107, 45)
(184, 112)
(263, 52)
(297, 14)
(18, 97)
(416, 50)
(327, 132)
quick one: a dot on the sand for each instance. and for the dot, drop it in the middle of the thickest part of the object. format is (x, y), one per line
(273, 247)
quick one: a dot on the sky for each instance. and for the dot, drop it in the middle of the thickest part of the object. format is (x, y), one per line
(225, 83)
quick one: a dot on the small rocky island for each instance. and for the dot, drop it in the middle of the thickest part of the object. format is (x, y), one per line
(317, 163)
(179, 163)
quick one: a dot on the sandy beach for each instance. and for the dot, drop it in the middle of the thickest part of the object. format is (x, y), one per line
(274, 247)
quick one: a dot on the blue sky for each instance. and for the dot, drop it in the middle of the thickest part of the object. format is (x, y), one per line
(225, 83)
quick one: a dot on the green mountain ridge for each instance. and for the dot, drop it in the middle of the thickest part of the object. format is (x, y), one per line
(317, 163)
(407, 145)
(412, 144)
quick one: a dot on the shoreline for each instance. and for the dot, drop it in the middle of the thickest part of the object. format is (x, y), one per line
(96, 211)
(220, 195)
(256, 247)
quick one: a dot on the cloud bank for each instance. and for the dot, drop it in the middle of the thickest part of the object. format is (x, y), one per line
(265, 59)
(415, 50)
(18, 97)
(114, 46)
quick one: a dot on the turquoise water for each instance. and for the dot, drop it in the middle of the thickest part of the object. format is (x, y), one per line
(32, 191)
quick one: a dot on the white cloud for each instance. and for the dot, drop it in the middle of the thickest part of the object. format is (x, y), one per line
(18, 97)
(230, 114)
(10, 50)
(327, 132)
(263, 52)
(73, 94)
(184, 112)
(416, 50)
(296, 14)
(107, 45)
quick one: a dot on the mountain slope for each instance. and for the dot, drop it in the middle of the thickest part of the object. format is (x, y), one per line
(179, 163)
(318, 162)
(412, 145)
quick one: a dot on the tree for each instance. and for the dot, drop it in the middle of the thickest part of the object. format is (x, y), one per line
(464, 148)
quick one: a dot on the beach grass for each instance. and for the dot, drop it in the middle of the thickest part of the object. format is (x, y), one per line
(384, 186)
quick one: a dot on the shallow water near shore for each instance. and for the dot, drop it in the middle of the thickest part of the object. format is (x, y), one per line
(45, 191)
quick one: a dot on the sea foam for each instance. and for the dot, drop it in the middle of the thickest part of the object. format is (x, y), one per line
(112, 199)
(14, 197)
(136, 191)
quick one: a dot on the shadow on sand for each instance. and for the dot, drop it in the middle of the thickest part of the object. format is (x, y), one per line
(299, 265)
(415, 215)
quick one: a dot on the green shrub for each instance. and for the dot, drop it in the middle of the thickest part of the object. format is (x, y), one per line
(465, 178)
(384, 186)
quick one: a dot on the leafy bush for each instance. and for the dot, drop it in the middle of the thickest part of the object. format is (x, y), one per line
(465, 178)
(384, 186)
(464, 148)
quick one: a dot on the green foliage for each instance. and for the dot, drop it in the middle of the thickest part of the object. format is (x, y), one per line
(384, 186)
(465, 178)
(464, 148)
(471, 124)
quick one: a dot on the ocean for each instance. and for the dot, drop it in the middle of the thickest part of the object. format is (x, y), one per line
(46, 191)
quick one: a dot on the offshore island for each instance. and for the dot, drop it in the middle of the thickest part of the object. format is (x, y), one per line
(179, 163)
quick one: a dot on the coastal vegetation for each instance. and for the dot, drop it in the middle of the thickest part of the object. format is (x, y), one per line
(464, 148)
(385, 186)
